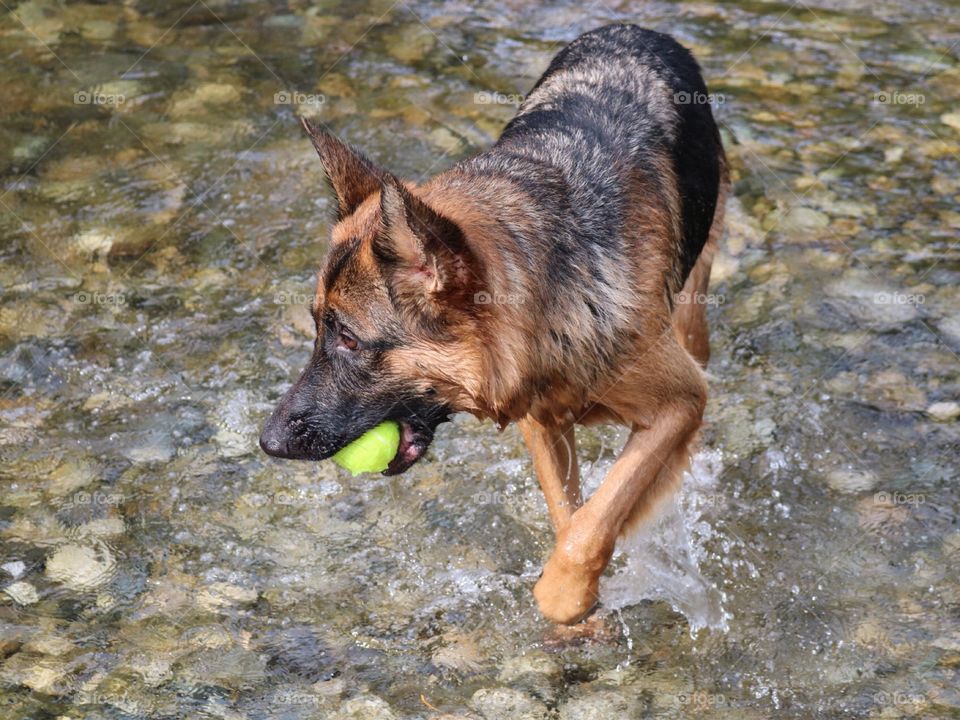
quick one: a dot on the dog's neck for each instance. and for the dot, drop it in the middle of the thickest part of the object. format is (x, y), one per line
(524, 357)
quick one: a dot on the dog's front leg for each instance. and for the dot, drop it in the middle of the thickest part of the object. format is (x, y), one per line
(553, 450)
(652, 459)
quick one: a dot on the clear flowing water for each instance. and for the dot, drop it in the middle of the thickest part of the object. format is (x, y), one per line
(161, 220)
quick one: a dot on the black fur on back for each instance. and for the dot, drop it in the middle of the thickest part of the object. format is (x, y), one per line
(616, 98)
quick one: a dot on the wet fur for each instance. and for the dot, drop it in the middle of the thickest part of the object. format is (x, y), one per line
(599, 205)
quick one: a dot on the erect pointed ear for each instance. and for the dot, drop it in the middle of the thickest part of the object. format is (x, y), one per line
(427, 252)
(354, 177)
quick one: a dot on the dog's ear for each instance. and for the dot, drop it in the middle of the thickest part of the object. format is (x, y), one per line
(353, 177)
(426, 252)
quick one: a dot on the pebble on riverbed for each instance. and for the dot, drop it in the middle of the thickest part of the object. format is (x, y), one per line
(601, 705)
(221, 594)
(892, 391)
(49, 644)
(14, 568)
(851, 481)
(500, 703)
(22, 593)
(81, 567)
(944, 411)
(535, 672)
(365, 707)
(40, 674)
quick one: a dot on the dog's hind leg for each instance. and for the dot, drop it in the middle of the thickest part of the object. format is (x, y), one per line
(663, 396)
(554, 454)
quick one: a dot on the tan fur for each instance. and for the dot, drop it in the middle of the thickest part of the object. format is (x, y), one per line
(661, 397)
(691, 330)
(553, 449)
(485, 361)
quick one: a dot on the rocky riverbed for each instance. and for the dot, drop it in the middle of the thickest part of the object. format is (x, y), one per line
(161, 219)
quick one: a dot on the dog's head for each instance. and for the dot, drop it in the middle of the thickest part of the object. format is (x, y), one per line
(395, 318)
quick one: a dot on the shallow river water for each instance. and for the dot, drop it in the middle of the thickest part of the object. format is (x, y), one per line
(161, 219)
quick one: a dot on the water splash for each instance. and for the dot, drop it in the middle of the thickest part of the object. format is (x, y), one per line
(661, 560)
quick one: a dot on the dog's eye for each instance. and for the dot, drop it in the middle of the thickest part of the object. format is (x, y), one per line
(346, 341)
(342, 337)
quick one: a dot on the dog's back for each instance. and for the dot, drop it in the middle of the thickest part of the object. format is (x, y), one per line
(618, 158)
(623, 96)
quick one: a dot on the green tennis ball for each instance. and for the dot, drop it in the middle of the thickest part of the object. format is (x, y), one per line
(372, 451)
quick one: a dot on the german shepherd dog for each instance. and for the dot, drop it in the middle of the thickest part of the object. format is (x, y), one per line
(551, 280)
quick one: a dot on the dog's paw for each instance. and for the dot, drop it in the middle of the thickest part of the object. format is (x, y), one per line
(566, 592)
(599, 626)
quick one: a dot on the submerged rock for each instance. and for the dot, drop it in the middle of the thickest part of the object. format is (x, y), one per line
(892, 391)
(81, 567)
(95, 241)
(411, 43)
(508, 704)
(603, 705)
(42, 23)
(851, 481)
(48, 644)
(365, 707)
(299, 651)
(532, 663)
(154, 446)
(221, 594)
(102, 527)
(944, 411)
(951, 119)
(459, 652)
(867, 300)
(802, 220)
(535, 672)
(22, 593)
(234, 667)
(40, 674)
(70, 476)
(206, 98)
(14, 568)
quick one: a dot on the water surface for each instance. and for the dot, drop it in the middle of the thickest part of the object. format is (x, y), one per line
(162, 218)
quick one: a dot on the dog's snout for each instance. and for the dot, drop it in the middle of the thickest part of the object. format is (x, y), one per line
(274, 440)
(272, 444)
